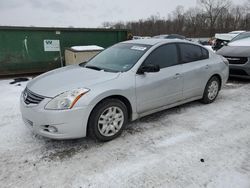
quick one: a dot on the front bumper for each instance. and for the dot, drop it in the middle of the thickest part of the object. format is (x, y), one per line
(240, 70)
(69, 124)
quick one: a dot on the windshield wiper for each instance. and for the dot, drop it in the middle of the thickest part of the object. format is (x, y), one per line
(93, 67)
(82, 64)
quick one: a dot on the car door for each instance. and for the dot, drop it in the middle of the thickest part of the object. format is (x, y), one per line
(154, 90)
(195, 60)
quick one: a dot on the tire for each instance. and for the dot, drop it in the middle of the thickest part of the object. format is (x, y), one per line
(211, 91)
(107, 120)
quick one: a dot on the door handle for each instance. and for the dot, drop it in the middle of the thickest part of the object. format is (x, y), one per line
(207, 67)
(177, 76)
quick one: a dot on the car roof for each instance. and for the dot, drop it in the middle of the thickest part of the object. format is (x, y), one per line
(170, 36)
(177, 36)
(245, 32)
(160, 36)
(153, 41)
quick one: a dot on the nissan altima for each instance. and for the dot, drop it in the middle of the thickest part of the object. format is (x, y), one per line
(127, 81)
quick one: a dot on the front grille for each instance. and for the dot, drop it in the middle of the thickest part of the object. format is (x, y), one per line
(31, 98)
(237, 72)
(237, 60)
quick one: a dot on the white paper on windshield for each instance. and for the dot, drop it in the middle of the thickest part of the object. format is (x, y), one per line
(140, 48)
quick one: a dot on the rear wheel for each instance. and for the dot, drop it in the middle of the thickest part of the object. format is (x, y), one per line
(107, 120)
(211, 90)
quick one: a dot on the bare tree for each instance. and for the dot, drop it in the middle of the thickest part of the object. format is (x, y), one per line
(213, 8)
(203, 21)
(193, 23)
(248, 4)
(237, 13)
(107, 24)
(179, 18)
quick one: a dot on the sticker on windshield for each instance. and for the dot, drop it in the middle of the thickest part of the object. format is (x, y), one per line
(140, 48)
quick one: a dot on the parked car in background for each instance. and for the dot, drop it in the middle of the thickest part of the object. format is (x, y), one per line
(141, 37)
(136, 37)
(237, 53)
(221, 39)
(170, 36)
(146, 37)
(127, 81)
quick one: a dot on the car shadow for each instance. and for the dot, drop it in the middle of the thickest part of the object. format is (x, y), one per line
(236, 80)
(54, 150)
(234, 83)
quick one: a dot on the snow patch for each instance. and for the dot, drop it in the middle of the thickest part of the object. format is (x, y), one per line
(87, 48)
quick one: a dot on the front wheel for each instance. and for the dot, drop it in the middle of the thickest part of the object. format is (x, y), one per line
(211, 90)
(107, 120)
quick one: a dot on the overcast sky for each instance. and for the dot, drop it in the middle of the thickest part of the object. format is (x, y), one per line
(84, 13)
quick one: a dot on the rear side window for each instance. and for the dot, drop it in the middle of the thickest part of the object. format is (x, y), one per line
(164, 56)
(205, 53)
(190, 52)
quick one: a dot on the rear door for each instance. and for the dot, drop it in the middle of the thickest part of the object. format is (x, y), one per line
(154, 90)
(196, 68)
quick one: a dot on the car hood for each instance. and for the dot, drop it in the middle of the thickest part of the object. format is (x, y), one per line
(68, 78)
(235, 51)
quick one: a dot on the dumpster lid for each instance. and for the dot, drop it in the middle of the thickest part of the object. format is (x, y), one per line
(87, 48)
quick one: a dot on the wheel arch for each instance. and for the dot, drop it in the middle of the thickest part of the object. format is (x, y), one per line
(123, 99)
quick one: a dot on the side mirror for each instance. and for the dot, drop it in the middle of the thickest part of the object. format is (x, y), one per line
(148, 68)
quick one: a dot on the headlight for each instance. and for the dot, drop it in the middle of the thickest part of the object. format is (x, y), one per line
(66, 100)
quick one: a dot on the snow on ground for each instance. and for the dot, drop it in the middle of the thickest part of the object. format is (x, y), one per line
(160, 150)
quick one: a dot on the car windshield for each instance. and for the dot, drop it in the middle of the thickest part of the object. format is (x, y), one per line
(241, 36)
(118, 58)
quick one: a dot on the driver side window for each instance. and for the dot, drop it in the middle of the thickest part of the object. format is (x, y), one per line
(164, 56)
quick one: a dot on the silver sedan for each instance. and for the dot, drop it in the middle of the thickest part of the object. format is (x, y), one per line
(127, 81)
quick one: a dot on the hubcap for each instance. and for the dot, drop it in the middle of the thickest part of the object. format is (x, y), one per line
(110, 121)
(213, 90)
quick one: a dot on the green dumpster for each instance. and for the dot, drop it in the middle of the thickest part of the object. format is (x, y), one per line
(35, 50)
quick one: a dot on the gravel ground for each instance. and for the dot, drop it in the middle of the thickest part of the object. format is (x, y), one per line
(193, 145)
